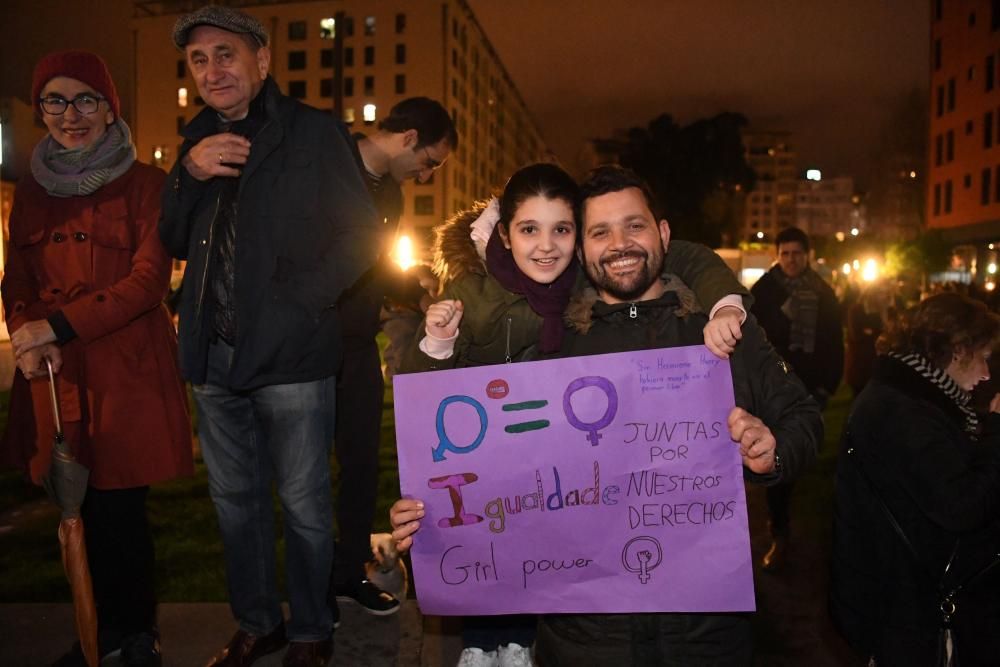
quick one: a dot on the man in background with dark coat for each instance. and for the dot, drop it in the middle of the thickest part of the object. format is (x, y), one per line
(413, 141)
(802, 318)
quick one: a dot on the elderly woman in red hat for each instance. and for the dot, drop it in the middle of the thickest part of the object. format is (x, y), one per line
(84, 289)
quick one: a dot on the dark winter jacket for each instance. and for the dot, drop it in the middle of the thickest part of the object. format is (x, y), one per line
(821, 370)
(499, 326)
(763, 386)
(943, 489)
(306, 232)
(361, 303)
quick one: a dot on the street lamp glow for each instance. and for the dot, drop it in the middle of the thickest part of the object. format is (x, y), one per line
(840, 236)
(760, 235)
(990, 285)
(913, 174)
(991, 268)
(856, 264)
(814, 175)
(846, 269)
(855, 231)
(404, 252)
(870, 272)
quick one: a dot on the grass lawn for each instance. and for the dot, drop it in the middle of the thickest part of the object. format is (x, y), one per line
(188, 550)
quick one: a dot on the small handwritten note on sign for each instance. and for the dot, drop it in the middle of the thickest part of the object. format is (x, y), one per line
(594, 484)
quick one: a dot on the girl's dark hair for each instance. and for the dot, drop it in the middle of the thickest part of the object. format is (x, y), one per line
(941, 326)
(542, 179)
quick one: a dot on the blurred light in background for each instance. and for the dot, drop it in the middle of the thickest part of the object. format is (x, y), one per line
(403, 252)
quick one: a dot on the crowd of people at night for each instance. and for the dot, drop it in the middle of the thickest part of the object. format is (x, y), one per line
(284, 219)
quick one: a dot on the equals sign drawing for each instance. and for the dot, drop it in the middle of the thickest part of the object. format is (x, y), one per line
(522, 427)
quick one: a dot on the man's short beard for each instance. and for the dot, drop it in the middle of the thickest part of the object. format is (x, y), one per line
(646, 276)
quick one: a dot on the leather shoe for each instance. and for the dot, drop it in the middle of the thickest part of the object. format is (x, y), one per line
(776, 556)
(244, 648)
(308, 654)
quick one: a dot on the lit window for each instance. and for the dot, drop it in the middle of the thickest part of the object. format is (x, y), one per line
(159, 155)
(182, 97)
(369, 113)
(349, 115)
(327, 28)
(369, 25)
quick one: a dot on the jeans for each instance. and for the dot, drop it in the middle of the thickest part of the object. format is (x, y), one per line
(280, 434)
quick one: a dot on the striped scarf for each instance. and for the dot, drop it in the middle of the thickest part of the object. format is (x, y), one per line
(943, 381)
(79, 172)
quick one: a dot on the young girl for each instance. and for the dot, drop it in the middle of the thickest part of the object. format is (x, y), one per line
(509, 307)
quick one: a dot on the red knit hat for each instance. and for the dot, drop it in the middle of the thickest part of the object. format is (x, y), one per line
(80, 65)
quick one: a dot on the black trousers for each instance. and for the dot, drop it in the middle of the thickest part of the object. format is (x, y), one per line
(360, 390)
(121, 557)
(779, 501)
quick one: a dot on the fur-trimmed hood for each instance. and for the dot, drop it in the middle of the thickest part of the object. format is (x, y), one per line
(580, 312)
(454, 253)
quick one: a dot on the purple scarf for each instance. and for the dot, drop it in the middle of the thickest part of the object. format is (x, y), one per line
(548, 301)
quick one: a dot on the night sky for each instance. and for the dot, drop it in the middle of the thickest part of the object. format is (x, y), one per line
(828, 70)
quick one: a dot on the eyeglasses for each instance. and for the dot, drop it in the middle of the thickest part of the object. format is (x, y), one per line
(429, 162)
(84, 104)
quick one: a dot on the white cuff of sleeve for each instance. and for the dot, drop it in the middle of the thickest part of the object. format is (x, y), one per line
(438, 348)
(733, 300)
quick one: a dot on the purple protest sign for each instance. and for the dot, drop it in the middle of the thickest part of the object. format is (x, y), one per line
(593, 484)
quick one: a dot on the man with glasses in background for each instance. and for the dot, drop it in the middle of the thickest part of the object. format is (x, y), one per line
(413, 141)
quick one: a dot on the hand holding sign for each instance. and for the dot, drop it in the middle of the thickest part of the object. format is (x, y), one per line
(443, 318)
(404, 515)
(757, 443)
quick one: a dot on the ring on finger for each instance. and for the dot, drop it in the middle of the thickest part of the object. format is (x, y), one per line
(220, 158)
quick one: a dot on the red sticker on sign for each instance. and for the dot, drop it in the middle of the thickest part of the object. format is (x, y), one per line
(497, 389)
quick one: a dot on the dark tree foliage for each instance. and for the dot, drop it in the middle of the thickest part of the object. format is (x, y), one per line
(697, 172)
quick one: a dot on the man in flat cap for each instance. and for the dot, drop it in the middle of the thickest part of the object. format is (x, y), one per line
(267, 206)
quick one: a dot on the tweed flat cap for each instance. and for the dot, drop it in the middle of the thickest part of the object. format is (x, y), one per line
(220, 17)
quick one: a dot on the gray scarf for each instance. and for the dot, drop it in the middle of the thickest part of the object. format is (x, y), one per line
(802, 308)
(79, 172)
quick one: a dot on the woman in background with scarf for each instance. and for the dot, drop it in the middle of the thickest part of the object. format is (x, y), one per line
(83, 289)
(916, 461)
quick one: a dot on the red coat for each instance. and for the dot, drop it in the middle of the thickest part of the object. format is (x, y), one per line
(99, 260)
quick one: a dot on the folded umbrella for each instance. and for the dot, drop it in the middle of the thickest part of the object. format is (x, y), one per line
(66, 483)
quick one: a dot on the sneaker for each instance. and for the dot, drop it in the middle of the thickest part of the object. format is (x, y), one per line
(514, 655)
(371, 597)
(141, 650)
(477, 657)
